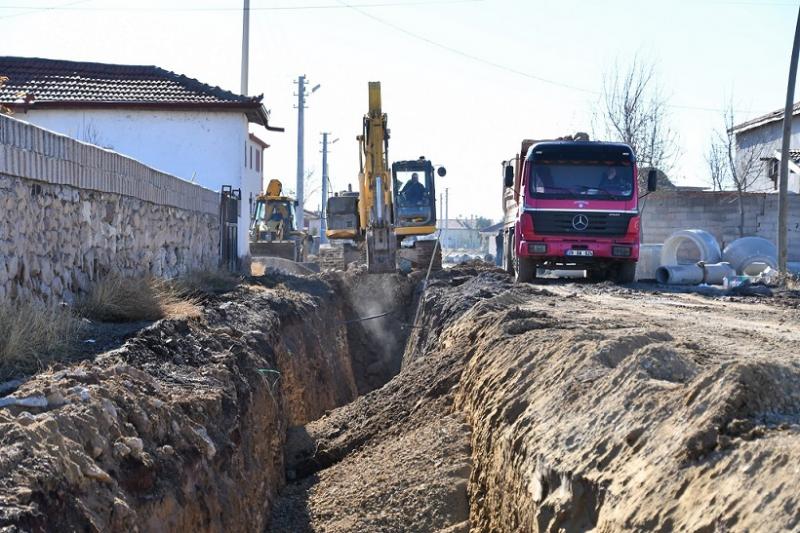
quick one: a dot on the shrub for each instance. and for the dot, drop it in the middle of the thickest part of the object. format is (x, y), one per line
(32, 335)
(120, 299)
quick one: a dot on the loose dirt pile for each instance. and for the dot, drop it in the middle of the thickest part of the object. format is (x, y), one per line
(183, 428)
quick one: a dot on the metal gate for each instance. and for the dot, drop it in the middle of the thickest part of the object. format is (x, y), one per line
(230, 206)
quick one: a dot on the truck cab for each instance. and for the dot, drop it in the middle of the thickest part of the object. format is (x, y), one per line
(572, 205)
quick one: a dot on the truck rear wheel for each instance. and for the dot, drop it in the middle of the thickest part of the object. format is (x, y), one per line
(626, 272)
(525, 269)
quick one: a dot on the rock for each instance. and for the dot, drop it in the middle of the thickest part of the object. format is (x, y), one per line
(135, 444)
(92, 471)
(121, 450)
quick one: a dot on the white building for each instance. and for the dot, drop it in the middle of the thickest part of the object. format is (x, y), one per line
(763, 137)
(165, 120)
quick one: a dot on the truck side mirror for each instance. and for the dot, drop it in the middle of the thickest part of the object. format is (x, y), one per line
(441, 171)
(652, 180)
(509, 176)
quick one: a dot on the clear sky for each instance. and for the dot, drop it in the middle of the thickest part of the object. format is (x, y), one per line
(462, 81)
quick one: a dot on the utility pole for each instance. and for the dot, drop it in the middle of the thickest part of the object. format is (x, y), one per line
(441, 211)
(446, 210)
(783, 186)
(301, 170)
(324, 209)
(245, 45)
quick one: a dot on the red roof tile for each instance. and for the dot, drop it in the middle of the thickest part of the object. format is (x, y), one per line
(36, 82)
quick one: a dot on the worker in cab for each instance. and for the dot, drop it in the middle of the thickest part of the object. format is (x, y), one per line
(413, 191)
(613, 183)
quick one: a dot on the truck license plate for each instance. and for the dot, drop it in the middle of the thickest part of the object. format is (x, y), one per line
(581, 253)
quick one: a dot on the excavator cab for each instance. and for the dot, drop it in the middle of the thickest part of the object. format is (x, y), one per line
(274, 219)
(414, 193)
(273, 227)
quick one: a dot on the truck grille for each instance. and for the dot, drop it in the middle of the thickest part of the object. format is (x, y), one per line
(580, 223)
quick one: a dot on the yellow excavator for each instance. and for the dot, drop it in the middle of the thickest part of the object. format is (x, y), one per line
(273, 228)
(391, 205)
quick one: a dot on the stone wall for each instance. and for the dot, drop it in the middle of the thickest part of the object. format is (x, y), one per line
(665, 212)
(71, 212)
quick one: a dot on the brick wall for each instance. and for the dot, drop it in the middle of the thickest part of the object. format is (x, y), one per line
(665, 212)
(70, 212)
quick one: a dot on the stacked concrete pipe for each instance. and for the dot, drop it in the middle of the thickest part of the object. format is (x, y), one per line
(708, 269)
(751, 255)
(705, 242)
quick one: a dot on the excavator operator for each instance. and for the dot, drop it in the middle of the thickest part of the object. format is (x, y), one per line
(413, 191)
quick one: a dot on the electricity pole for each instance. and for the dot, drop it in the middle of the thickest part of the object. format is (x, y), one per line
(446, 210)
(441, 210)
(784, 172)
(323, 223)
(245, 45)
(301, 106)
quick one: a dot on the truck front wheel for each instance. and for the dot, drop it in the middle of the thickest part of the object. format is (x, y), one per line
(626, 272)
(525, 269)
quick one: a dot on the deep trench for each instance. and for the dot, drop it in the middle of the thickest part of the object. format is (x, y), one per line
(379, 312)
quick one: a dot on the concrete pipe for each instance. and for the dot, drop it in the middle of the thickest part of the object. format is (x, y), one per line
(746, 253)
(715, 274)
(679, 275)
(705, 242)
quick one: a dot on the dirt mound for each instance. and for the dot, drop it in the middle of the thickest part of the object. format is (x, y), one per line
(625, 412)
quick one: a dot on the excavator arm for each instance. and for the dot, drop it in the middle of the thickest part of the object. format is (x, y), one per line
(375, 203)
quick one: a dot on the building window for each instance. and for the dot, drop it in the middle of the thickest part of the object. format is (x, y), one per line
(251, 156)
(773, 171)
(258, 160)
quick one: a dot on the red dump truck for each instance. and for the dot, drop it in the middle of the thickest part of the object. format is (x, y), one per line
(572, 204)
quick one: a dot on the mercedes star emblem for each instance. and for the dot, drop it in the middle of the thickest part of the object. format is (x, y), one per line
(580, 222)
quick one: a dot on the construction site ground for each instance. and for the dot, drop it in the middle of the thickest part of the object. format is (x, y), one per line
(555, 406)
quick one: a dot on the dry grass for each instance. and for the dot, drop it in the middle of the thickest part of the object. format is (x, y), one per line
(31, 336)
(201, 283)
(119, 299)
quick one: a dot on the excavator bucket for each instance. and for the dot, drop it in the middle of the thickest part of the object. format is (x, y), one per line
(284, 249)
(381, 250)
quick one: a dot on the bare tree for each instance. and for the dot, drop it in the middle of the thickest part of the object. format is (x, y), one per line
(733, 167)
(310, 188)
(635, 111)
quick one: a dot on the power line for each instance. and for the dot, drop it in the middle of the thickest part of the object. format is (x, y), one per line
(461, 52)
(68, 7)
(32, 10)
(501, 66)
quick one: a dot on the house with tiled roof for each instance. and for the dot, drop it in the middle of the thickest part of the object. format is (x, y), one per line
(168, 121)
(763, 136)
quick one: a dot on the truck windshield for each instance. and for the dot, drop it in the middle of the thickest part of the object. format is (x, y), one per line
(596, 179)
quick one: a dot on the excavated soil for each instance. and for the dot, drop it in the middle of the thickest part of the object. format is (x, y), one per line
(587, 407)
(559, 406)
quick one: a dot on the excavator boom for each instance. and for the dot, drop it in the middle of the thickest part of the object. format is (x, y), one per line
(375, 182)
